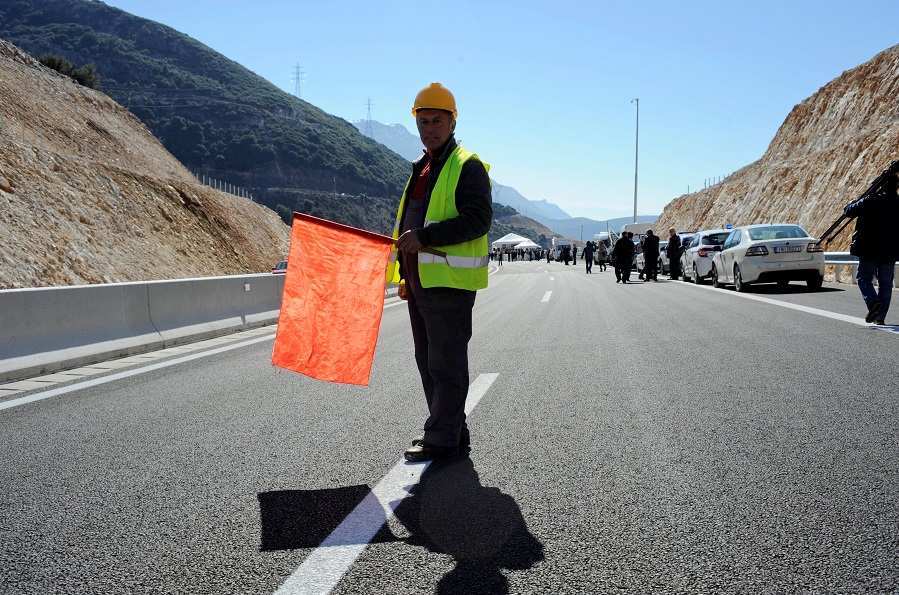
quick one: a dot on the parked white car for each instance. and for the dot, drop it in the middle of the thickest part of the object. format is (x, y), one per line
(696, 261)
(767, 253)
(661, 264)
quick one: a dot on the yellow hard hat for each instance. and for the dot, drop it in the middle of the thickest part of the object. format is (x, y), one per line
(435, 96)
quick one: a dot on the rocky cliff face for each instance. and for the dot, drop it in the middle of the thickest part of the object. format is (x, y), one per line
(88, 195)
(827, 152)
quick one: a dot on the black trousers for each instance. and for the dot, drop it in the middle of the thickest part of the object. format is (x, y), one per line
(623, 269)
(650, 267)
(441, 329)
(674, 268)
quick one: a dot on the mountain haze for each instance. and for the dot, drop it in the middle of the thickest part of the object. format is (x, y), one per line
(554, 221)
(395, 137)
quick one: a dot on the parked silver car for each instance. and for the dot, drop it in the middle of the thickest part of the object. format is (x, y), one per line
(696, 261)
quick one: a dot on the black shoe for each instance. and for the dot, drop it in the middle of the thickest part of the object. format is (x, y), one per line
(464, 440)
(879, 322)
(873, 309)
(429, 452)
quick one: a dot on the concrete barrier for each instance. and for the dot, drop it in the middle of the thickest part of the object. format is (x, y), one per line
(49, 329)
(204, 308)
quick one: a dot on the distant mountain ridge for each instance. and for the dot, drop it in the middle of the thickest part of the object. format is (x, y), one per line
(398, 139)
(395, 137)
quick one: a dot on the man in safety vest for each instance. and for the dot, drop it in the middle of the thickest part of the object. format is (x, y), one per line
(440, 261)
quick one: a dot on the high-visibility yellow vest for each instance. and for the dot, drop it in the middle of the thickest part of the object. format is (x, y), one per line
(465, 264)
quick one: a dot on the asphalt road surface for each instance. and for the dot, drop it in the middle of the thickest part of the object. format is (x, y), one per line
(643, 438)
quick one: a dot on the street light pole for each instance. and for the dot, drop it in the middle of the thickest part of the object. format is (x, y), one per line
(636, 156)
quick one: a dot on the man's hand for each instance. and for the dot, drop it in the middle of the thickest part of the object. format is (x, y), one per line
(408, 242)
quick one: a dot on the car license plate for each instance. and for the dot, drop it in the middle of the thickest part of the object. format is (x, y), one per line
(782, 249)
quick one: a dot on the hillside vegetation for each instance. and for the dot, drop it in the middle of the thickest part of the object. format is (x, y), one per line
(215, 116)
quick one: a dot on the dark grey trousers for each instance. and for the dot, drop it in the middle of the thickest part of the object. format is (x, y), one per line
(441, 328)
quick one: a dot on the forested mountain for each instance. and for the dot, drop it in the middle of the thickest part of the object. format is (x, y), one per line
(218, 118)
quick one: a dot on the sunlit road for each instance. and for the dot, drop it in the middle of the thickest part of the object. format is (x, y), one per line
(641, 438)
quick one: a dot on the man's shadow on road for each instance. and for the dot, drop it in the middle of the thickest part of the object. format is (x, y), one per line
(450, 512)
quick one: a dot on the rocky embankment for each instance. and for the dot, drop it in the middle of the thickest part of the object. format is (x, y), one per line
(828, 151)
(89, 195)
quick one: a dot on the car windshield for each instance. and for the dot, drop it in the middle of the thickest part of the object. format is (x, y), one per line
(715, 239)
(777, 232)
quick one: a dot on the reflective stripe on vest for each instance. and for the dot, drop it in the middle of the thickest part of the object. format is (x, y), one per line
(458, 262)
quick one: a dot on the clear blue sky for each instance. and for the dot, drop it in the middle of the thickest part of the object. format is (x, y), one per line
(544, 89)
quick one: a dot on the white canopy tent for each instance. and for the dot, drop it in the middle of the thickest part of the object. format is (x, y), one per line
(527, 244)
(510, 240)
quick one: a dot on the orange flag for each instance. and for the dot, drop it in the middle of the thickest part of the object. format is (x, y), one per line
(332, 302)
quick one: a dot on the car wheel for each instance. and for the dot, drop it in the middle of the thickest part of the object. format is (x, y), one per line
(739, 285)
(815, 283)
(696, 278)
(715, 281)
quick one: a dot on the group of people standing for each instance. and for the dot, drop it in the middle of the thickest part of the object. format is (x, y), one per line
(625, 249)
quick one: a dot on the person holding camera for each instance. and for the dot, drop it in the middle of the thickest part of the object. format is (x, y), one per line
(876, 245)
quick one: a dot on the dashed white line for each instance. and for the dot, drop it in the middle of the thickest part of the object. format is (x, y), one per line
(546, 296)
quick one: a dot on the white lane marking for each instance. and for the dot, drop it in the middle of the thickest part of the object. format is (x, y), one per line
(546, 296)
(118, 376)
(394, 301)
(806, 309)
(323, 568)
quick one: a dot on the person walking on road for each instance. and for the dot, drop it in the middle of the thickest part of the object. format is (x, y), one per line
(875, 244)
(673, 254)
(440, 259)
(624, 257)
(602, 255)
(587, 255)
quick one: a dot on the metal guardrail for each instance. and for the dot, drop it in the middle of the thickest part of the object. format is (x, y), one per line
(840, 260)
(844, 259)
